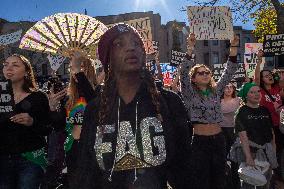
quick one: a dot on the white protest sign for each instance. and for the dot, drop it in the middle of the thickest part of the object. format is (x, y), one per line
(55, 61)
(10, 38)
(143, 26)
(250, 57)
(210, 23)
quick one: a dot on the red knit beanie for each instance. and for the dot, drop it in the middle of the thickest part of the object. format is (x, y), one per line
(109, 36)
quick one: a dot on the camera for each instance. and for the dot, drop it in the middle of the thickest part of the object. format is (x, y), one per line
(56, 83)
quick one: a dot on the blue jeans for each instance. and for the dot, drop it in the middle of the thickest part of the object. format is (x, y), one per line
(19, 173)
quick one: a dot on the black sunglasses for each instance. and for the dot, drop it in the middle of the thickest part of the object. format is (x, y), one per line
(203, 73)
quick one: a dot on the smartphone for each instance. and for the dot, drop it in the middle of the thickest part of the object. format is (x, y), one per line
(56, 83)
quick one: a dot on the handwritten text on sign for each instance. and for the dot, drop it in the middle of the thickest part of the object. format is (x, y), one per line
(6, 100)
(143, 26)
(177, 57)
(250, 57)
(273, 44)
(10, 38)
(151, 66)
(210, 23)
(220, 68)
(55, 61)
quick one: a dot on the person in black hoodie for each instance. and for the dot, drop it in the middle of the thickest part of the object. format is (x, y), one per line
(133, 136)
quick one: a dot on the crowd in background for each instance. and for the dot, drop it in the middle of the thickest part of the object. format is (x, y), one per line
(137, 133)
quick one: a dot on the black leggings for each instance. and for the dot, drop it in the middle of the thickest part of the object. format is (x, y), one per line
(208, 162)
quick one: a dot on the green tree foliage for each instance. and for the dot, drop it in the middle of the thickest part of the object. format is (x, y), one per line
(265, 22)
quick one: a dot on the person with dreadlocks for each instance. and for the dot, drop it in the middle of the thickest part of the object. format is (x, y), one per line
(131, 137)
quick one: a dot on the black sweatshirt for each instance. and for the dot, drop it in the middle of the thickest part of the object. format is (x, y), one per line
(16, 138)
(160, 152)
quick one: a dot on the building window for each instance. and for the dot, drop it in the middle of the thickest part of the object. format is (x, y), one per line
(167, 38)
(180, 37)
(66, 68)
(239, 57)
(215, 42)
(215, 58)
(239, 39)
(247, 40)
(270, 62)
(206, 58)
(206, 43)
(44, 69)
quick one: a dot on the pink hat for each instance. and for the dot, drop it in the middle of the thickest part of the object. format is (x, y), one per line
(109, 36)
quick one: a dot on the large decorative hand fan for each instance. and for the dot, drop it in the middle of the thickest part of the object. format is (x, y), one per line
(64, 33)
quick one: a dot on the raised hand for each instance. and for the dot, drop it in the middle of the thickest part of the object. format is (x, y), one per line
(54, 98)
(234, 45)
(76, 60)
(191, 41)
(259, 56)
(236, 41)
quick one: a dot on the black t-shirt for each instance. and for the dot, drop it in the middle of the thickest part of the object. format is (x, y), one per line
(17, 138)
(256, 122)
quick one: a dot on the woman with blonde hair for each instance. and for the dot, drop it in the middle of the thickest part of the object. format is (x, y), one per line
(202, 97)
(22, 137)
(82, 88)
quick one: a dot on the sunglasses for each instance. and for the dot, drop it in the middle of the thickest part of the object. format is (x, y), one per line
(230, 86)
(268, 75)
(203, 73)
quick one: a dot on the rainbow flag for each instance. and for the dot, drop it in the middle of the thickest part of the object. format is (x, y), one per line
(74, 117)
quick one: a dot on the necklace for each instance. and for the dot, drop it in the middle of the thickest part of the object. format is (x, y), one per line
(19, 97)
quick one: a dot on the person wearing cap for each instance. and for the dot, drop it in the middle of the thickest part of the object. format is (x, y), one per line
(254, 126)
(131, 136)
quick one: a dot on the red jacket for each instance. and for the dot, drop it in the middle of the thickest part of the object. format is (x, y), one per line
(268, 103)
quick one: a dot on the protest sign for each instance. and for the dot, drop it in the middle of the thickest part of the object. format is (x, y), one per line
(10, 38)
(273, 45)
(240, 74)
(176, 58)
(143, 26)
(169, 73)
(210, 23)
(151, 66)
(250, 57)
(55, 61)
(7, 103)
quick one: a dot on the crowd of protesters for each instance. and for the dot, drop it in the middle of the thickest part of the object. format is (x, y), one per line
(135, 133)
